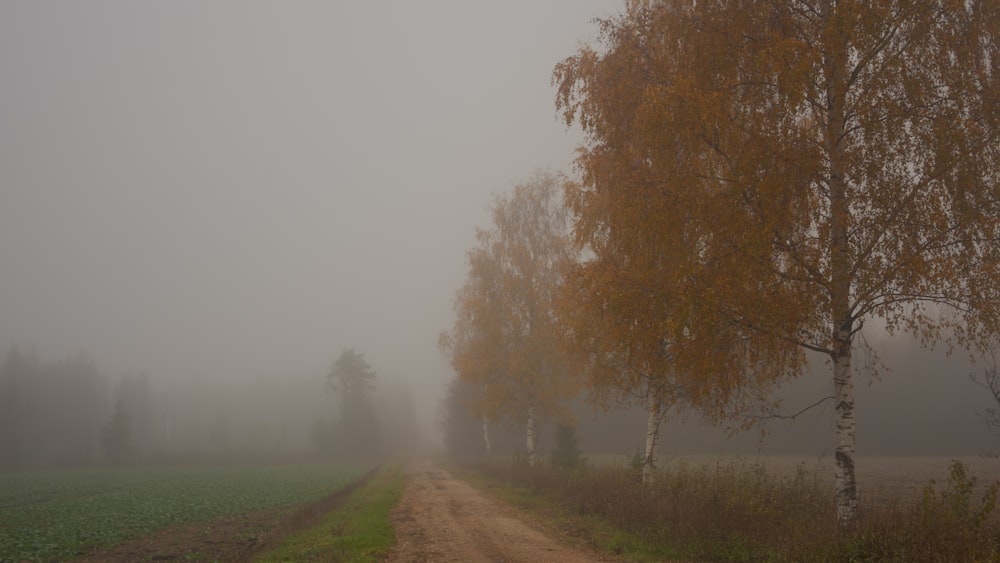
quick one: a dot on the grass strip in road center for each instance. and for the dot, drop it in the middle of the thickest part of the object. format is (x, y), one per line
(357, 530)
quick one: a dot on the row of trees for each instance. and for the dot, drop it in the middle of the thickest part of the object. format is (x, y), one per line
(506, 336)
(66, 413)
(758, 179)
(527, 325)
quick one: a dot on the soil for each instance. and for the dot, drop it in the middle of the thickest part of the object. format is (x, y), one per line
(440, 518)
(228, 539)
(236, 538)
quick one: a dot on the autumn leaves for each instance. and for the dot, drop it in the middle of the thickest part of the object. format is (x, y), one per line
(506, 336)
(757, 180)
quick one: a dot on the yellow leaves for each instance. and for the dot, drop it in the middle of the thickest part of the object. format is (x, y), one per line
(505, 336)
(758, 174)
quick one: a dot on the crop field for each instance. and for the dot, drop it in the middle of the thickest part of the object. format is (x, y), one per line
(54, 514)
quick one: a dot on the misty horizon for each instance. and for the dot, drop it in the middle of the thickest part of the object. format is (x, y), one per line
(227, 193)
(244, 189)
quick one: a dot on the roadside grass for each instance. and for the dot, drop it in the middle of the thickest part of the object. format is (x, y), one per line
(555, 513)
(56, 515)
(357, 530)
(737, 511)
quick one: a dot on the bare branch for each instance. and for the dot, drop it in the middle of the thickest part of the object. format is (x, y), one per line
(779, 416)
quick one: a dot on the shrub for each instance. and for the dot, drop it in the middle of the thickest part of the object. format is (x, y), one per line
(567, 454)
(955, 519)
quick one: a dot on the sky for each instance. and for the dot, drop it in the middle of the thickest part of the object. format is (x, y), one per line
(236, 190)
(243, 189)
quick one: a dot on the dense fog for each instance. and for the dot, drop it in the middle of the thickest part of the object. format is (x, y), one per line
(218, 195)
(203, 205)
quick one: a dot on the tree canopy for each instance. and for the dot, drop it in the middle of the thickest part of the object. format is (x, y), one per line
(810, 165)
(506, 335)
(351, 376)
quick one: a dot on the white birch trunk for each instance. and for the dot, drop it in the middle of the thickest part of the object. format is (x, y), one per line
(530, 431)
(486, 437)
(844, 480)
(835, 73)
(654, 415)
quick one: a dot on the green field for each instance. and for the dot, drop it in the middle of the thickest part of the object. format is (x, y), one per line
(53, 514)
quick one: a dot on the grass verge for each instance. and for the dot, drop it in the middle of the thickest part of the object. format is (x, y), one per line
(551, 510)
(357, 530)
(739, 512)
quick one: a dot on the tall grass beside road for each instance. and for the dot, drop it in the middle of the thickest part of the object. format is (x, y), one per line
(738, 511)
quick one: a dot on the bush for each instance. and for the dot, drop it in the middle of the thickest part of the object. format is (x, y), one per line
(567, 454)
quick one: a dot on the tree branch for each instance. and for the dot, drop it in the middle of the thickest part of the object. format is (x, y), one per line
(779, 416)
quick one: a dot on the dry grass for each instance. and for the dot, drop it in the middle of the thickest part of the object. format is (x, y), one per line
(738, 510)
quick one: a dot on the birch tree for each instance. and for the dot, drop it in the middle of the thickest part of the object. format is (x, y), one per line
(831, 161)
(506, 335)
(627, 305)
(474, 348)
(615, 323)
(464, 434)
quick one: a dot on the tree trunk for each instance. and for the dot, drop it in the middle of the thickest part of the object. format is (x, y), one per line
(530, 431)
(834, 63)
(486, 437)
(654, 415)
(844, 479)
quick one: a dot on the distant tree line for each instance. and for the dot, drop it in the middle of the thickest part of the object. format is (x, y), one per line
(50, 413)
(66, 413)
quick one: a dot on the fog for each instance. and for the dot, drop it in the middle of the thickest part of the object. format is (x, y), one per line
(910, 401)
(222, 197)
(229, 191)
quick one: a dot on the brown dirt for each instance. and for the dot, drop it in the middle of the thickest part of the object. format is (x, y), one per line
(236, 538)
(440, 518)
(227, 539)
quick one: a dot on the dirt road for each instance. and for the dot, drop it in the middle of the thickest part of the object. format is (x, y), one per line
(440, 518)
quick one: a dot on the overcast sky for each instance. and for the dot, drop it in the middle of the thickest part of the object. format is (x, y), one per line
(244, 189)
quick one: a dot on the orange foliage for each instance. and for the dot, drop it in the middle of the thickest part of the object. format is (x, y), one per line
(505, 336)
(770, 174)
